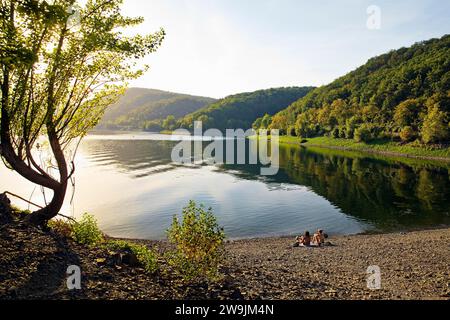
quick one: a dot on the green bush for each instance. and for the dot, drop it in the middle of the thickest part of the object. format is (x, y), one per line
(199, 244)
(335, 133)
(407, 134)
(146, 257)
(86, 231)
(61, 227)
(291, 131)
(363, 134)
(342, 132)
(435, 126)
(350, 127)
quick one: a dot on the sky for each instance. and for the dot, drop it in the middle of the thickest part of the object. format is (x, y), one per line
(220, 47)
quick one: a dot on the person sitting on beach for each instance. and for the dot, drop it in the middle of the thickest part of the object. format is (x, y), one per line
(304, 240)
(319, 238)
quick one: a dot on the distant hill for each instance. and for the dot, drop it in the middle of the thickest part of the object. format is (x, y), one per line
(403, 94)
(241, 110)
(141, 108)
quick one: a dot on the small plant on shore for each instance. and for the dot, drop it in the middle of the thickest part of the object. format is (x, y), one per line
(61, 227)
(145, 256)
(199, 244)
(18, 211)
(86, 231)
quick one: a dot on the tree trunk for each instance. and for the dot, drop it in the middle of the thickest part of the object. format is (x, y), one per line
(39, 217)
(42, 216)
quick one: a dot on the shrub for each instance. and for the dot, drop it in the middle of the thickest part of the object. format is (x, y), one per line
(342, 132)
(61, 227)
(406, 112)
(350, 127)
(86, 231)
(291, 131)
(18, 211)
(335, 133)
(349, 133)
(435, 126)
(386, 135)
(363, 134)
(376, 131)
(146, 257)
(407, 134)
(199, 243)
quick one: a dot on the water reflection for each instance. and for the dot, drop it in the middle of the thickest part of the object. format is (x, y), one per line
(374, 192)
(387, 193)
(141, 158)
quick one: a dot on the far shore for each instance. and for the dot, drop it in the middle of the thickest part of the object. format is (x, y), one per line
(386, 149)
(390, 149)
(384, 153)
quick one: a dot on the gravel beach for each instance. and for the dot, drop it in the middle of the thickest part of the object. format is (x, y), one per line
(414, 265)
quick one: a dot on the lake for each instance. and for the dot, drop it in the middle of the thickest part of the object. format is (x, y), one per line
(128, 181)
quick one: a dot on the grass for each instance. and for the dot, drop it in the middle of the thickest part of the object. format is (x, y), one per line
(413, 162)
(382, 146)
(377, 146)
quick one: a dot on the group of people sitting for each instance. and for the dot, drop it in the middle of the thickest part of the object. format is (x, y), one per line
(318, 239)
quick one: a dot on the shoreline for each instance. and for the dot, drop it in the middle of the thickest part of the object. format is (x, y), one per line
(292, 237)
(271, 269)
(254, 269)
(377, 152)
(163, 243)
(367, 150)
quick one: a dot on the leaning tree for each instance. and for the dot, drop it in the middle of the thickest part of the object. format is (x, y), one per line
(62, 62)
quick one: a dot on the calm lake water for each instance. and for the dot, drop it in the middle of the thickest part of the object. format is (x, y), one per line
(130, 184)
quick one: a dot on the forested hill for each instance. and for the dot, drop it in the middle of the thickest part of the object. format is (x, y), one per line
(143, 108)
(241, 110)
(403, 94)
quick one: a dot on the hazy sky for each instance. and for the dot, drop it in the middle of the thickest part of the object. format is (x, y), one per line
(221, 47)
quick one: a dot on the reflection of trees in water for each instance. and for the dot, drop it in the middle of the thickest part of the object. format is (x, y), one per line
(139, 157)
(385, 193)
